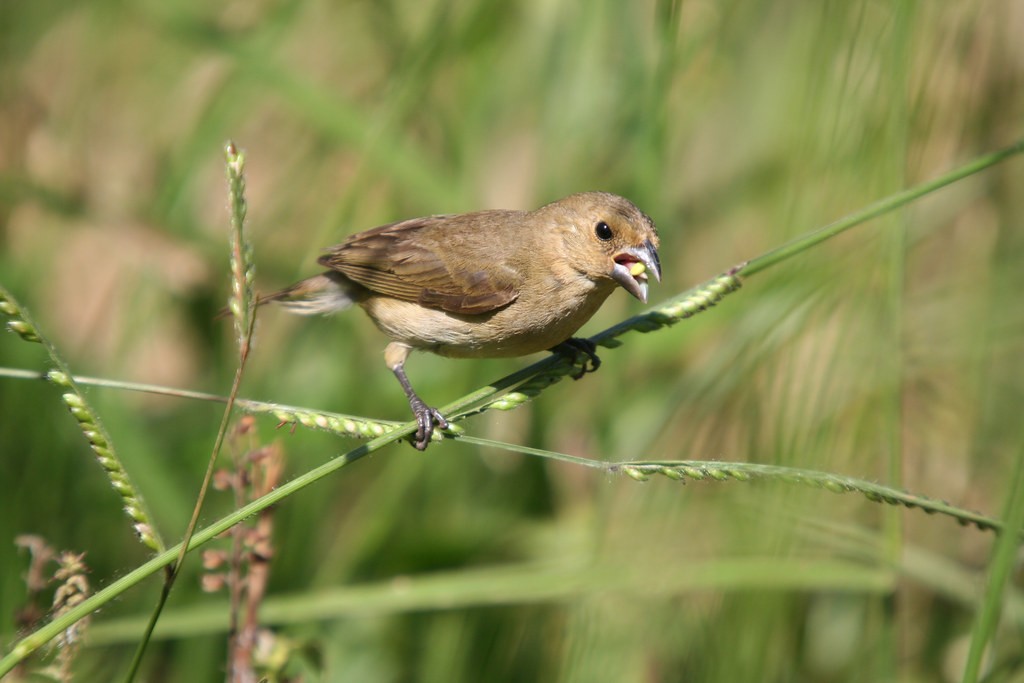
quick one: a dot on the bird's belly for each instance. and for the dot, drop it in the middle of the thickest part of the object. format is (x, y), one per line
(516, 330)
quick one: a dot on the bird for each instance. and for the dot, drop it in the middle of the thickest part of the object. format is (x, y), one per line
(486, 284)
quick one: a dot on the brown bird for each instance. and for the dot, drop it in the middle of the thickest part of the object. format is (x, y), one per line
(486, 284)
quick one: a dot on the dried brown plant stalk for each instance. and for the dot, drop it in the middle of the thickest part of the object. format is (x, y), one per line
(72, 588)
(246, 567)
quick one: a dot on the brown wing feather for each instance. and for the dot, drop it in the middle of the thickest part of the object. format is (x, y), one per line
(406, 260)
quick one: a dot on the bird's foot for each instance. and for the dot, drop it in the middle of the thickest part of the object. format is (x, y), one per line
(576, 347)
(426, 418)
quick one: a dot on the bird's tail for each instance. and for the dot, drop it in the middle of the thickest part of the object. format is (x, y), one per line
(321, 294)
(318, 295)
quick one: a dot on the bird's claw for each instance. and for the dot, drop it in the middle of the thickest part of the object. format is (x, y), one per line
(426, 418)
(576, 347)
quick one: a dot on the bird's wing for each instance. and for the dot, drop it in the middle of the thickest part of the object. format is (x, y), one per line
(416, 261)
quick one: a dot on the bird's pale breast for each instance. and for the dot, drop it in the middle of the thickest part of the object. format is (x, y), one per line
(528, 325)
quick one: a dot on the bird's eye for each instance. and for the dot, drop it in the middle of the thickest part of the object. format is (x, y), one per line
(603, 231)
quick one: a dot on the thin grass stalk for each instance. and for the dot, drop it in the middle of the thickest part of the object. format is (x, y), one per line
(338, 423)
(88, 421)
(879, 208)
(243, 310)
(717, 470)
(242, 303)
(1001, 567)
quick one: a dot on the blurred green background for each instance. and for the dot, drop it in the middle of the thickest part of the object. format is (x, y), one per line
(891, 353)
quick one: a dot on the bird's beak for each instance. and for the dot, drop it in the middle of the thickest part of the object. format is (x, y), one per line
(633, 265)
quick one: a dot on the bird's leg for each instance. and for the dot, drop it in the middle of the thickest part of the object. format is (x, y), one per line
(395, 355)
(574, 348)
(425, 415)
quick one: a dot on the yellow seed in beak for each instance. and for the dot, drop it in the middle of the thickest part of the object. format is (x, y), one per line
(637, 269)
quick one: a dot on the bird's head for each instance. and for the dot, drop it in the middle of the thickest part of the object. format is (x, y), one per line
(608, 238)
